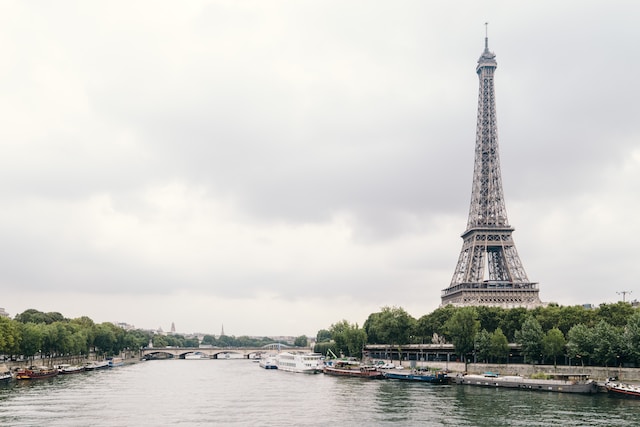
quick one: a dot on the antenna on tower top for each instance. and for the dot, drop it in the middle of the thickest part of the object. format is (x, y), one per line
(486, 35)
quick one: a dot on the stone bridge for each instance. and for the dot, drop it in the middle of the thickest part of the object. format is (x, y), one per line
(215, 352)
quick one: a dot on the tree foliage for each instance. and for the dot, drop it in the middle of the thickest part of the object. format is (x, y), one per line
(34, 316)
(433, 323)
(323, 335)
(631, 337)
(580, 342)
(392, 325)
(607, 344)
(530, 338)
(553, 344)
(33, 332)
(301, 341)
(462, 327)
(349, 339)
(482, 345)
(10, 336)
(499, 346)
(616, 314)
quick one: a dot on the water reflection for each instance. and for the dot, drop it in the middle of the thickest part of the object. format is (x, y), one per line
(240, 393)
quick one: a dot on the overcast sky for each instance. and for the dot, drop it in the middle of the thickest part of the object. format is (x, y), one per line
(278, 166)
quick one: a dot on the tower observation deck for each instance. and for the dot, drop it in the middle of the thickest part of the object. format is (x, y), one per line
(489, 271)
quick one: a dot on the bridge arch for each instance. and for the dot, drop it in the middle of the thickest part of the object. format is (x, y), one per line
(212, 352)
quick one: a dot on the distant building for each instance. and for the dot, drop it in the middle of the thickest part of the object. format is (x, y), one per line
(124, 325)
(3, 312)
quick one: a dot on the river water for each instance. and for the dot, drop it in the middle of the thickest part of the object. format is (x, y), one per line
(239, 393)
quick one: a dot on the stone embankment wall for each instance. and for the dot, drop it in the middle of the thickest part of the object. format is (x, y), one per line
(13, 365)
(594, 372)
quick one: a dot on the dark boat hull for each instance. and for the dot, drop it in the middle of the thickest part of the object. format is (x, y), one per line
(582, 387)
(371, 373)
(438, 378)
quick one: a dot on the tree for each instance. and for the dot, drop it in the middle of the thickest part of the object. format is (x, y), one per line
(325, 346)
(349, 339)
(301, 341)
(159, 341)
(490, 317)
(607, 344)
(548, 317)
(356, 340)
(83, 321)
(9, 336)
(462, 327)
(632, 336)
(209, 340)
(34, 316)
(499, 346)
(32, 338)
(323, 335)
(105, 340)
(615, 314)
(530, 338)
(553, 344)
(54, 339)
(579, 344)
(575, 315)
(482, 345)
(512, 322)
(434, 322)
(371, 328)
(79, 341)
(393, 325)
(136, 339)
(192, 342)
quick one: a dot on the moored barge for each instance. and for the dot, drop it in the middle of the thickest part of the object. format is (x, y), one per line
(562, 383)
(428, 377)
(35, 373)
(350, 369)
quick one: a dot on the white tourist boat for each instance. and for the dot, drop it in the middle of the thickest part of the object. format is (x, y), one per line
(66, 368)
(5, 374)
(115, 361)
(307, 363)
(196, 356)
(616, 388)
(268, 361)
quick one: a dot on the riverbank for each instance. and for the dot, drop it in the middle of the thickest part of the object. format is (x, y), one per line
(13, 365)
(598, 373)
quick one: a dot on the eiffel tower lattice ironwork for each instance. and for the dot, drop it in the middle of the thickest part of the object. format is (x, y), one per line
(489, 271)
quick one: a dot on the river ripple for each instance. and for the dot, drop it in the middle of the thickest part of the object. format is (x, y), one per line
(238, 392)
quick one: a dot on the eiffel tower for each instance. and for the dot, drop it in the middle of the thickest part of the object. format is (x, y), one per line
(489, 271)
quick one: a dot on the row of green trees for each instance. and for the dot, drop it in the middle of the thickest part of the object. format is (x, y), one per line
(50, 334)
(607, 335)
(232, 341)
(34, 333)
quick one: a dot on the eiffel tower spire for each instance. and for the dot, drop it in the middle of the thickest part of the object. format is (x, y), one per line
(489, 270)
